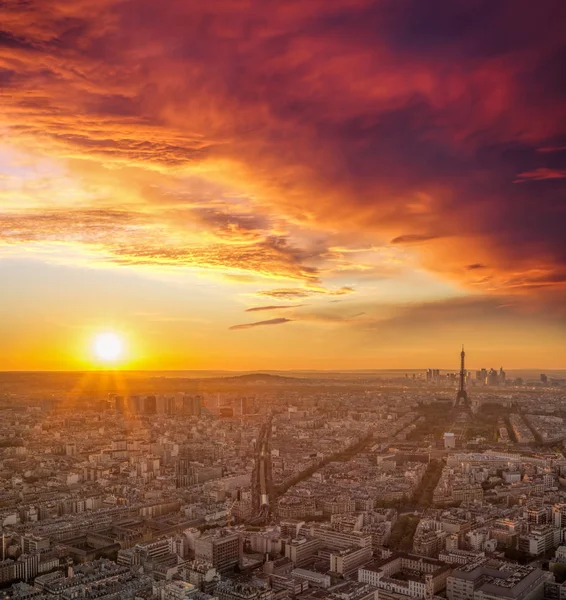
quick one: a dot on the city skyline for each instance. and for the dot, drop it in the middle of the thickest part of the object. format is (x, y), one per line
(306, 185)
(269, 488)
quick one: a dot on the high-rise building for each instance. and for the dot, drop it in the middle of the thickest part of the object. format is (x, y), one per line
(245, 406)
(222, 550)
(559, 515)
(301, 551)
(150, 405)
(433, 376)
(345, 562)
(492, 377)
(120, 404)
(31, 544)
(184, 472)
(165, 405)
(134, 404)
(191, 405)
(481, 376)
(540, 539)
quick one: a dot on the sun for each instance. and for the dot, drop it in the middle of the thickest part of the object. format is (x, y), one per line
(108, 347)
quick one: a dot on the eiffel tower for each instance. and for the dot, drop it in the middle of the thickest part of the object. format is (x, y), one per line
(462, 398)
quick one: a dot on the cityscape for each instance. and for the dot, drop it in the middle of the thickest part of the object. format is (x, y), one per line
(260, 486)
(282, 300)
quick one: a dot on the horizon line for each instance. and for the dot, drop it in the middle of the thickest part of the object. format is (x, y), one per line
(404, 369)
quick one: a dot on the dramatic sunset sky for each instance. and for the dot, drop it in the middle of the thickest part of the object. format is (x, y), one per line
(283, 184)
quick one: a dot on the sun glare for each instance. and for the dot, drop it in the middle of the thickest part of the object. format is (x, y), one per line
(108, 347)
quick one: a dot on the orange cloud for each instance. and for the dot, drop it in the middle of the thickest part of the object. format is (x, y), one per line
(276, 321)
(293, 293)
(127, 238)
(272, 307)
(343, 123)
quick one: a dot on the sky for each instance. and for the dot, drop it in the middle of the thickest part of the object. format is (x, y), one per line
(354, 184)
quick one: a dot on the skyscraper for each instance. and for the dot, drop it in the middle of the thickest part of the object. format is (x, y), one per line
(191, 405)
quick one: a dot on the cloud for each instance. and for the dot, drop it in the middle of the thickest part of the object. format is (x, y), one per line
(461, 319)
(541, 174)
(444, 111)
(272, 307)
(332, 317)
(126, 238)
(414, 238)
(293, 293)
(277, 321)
(318, 317)
(475, 266)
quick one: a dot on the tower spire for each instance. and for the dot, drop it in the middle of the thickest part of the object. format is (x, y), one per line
(462, 394)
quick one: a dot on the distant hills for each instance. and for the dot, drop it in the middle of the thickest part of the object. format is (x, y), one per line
(261, 378)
